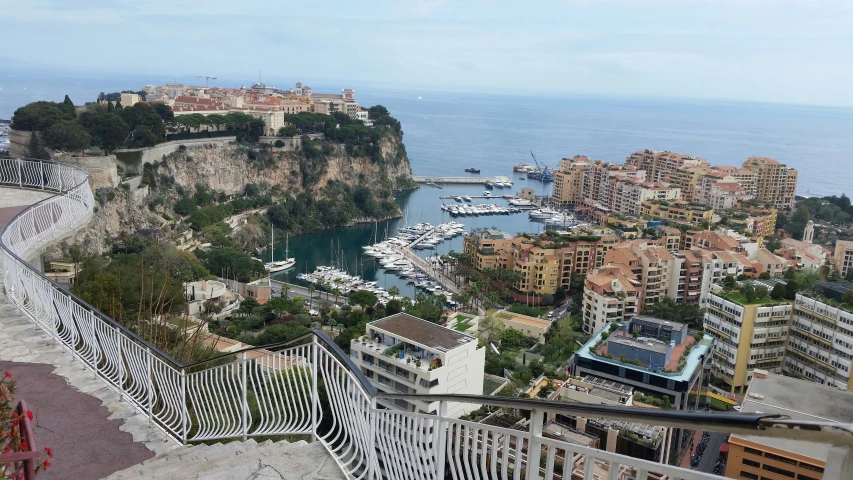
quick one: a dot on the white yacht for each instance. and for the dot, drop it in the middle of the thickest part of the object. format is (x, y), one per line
(272, 266)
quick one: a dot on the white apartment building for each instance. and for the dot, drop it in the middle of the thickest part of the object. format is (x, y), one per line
(405, 354)
(820, 343)
(748, 336)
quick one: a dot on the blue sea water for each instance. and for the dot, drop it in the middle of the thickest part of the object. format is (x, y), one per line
(445, 133)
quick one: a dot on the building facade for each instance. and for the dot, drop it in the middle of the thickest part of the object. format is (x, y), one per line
(748, 336)
(776, 184)
(820, 343)
(405, 354)
(843, 256)
(611, 294)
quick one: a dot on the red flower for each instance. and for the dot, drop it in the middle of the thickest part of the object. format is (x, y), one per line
(29, 414)
(24, 445)
(6, 449)
(15, 416)
(46, 464)
(49, 452)
(8, 374)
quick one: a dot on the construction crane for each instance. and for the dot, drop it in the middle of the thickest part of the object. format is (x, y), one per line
(541, 172)
(206, 78)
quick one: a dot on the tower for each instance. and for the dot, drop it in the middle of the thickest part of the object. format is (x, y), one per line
(808, 233)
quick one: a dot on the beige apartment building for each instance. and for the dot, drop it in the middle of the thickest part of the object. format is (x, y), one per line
(776, 184)
(483, 247)
(612, 293)
(661, 165)
(843, 256)
(686, 178)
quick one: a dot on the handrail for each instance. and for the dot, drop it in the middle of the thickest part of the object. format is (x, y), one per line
(29, 456)
(348, 363)
(249, 349)
(77, 299)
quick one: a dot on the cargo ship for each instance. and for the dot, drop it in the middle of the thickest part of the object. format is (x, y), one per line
(523, 167)
(472, 170)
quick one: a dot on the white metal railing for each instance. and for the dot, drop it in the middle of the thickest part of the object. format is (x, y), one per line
(310, 386)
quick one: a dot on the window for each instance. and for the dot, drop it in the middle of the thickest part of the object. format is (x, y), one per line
(751, 463)
(811, 467)
(779, 458)
(805, 477)
(780, 471)
(745, 474)
(752, 451)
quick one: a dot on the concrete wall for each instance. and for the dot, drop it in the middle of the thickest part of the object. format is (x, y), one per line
(102, 170)
(20, 143)
(133, 159)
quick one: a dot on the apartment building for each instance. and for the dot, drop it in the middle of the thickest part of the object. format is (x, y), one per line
(612, 293)
(686, 276)
(662, 165)
(749, 336)
(652, 265)
(628, 195)
(802, 254)
(843, 256)
(548, 263)
(405, 354)
(820, 342)
(774, 265)
(683, 372)
(776, 184)
(678, 211)
(752, 457)
(483, 247)
(686, 178)
(568, 187)
(724, 187)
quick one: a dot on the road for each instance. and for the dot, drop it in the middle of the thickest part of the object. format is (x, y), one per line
(562, 310)
(712, 452)
(298, 291)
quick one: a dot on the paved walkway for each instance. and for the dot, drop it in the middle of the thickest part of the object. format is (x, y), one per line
(92, 431)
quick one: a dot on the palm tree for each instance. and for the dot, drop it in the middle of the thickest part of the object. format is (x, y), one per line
(337, 292)
(285, 287)
(311, 291)
(394, 291)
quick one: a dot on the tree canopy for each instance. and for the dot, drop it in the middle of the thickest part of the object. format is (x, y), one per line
(39, 116)
(67, 135)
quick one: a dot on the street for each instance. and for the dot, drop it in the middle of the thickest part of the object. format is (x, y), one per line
(297, 291)
(712, 452)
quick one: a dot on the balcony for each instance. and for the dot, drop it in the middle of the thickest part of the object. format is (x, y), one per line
(406, 355)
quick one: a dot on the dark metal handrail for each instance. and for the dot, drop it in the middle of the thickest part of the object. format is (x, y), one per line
(27, 457)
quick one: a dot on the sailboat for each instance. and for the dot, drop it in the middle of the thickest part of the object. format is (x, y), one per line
(272, 266)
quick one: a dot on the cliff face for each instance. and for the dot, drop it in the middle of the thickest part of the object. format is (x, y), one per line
(229, 168)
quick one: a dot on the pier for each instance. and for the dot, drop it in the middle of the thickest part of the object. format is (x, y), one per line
(428, 270)
(453, 180)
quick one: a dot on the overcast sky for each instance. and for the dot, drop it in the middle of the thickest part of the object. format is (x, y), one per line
(791, 51)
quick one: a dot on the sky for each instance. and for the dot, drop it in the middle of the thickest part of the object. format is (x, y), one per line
(783, 51)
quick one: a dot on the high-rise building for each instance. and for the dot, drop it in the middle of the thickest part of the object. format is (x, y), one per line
(686, 178)
(749, 334)
(611, 294)
(776, 184)
(843, 256)
(661, 165)
(820, 343)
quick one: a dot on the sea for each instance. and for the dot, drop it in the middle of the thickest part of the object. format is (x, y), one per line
(446, 132)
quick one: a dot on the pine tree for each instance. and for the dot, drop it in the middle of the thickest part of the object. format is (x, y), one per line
(118, 105)
(110, 107)
(34, 150)
(68, 105)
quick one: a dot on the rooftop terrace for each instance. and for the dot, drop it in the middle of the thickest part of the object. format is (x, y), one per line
(420, 331)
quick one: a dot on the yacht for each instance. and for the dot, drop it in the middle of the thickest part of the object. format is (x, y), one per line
(543, 213)
(272, 266)
(466, 198)
(520, 202)
(487, 193)
(457, 198)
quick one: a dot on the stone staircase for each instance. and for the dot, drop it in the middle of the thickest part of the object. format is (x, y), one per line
(247, 460)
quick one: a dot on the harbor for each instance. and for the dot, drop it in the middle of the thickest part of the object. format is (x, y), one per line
(421, 205)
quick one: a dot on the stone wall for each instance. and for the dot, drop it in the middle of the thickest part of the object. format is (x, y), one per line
(20, 143)
(102, 170)
(290, 143)
(132, 159)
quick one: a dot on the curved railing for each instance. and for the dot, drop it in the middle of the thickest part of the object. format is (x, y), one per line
(310, 386)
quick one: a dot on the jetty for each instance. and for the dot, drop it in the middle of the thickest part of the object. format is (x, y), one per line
(435, 181)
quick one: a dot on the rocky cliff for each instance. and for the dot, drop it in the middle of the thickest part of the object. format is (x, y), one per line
(228, 168)
(231, 167)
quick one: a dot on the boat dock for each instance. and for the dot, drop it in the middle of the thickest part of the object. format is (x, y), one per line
(455, 180)
(428, 270)
(490, 197)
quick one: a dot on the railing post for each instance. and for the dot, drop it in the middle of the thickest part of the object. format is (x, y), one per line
(148, 360)
(41, 173)
(184, 412)
(315, 365)
(440, 440)
(534, 447)
(20, 174)
(244, 403)
(373, 418)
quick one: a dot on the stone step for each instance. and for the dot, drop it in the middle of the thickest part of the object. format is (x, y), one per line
(238, 460)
